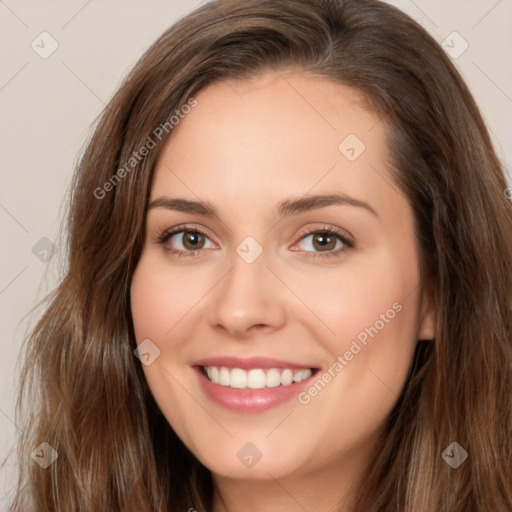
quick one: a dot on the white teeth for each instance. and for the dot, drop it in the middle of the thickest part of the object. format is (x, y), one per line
(301, 375)
(224, 377)
(238, 378)
(256, 378)
(273, 378)
(286, 377)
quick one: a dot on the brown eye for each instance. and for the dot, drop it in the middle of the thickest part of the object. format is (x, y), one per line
(193, 240)
(186, 241)
(324, 241)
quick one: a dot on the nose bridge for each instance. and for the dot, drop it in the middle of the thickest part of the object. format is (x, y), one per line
(247, 296)
(245, 286)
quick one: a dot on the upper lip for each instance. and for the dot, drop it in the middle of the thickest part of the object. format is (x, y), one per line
(248, 363)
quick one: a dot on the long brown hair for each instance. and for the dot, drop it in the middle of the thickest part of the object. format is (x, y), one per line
(84, 389)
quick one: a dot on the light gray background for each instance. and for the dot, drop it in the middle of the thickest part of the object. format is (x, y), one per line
(47, 106)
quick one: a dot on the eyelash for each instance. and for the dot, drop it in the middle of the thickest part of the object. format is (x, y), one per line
(329, 230)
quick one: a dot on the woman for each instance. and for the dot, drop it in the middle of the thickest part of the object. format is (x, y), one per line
(289, 279)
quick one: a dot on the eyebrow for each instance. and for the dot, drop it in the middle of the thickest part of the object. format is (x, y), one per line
(286, 207)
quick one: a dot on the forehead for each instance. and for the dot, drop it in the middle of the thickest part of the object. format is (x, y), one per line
(279, 134)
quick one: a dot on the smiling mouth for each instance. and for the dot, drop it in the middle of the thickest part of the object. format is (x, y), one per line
(255, 378)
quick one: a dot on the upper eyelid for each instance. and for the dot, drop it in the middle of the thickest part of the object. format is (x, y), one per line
(326, 228)
(183, 228)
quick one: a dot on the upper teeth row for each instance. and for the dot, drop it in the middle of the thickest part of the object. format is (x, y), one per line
(256, 378)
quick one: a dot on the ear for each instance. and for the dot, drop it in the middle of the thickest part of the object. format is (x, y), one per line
(427, 318)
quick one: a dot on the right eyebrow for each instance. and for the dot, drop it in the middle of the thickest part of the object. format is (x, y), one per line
(183, 205)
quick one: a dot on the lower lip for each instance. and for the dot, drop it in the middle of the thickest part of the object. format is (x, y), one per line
(250, 400)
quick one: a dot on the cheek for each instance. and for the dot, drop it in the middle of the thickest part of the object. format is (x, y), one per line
(163, 302)
(377, 333)
(162, 297)
(372, 310)
(371, 304)
(368, 320)
(362, 293)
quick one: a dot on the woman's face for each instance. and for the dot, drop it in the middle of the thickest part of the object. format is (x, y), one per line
(292, 257)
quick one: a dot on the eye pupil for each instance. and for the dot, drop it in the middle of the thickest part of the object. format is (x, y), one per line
(193, 240)
(324, 241)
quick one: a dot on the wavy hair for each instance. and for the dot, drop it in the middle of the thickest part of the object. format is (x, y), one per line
(83, 391)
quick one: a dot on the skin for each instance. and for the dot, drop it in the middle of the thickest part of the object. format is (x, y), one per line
(246, 147)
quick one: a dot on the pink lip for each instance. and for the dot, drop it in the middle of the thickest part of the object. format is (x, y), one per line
(249, 400)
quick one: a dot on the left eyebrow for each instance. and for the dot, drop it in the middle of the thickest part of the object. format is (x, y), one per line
(287, 207)
(303, 204)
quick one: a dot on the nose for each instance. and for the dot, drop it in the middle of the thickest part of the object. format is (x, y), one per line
(248, 300)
